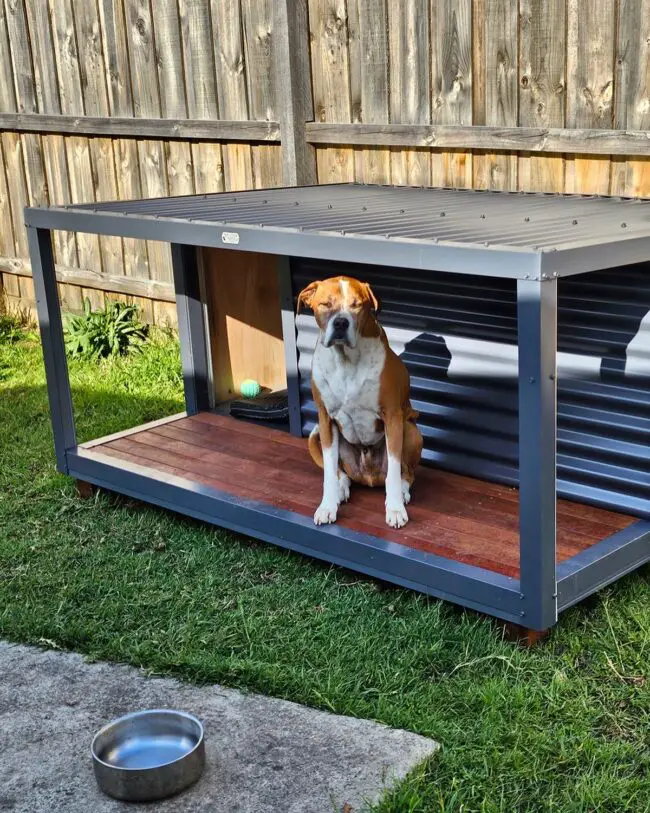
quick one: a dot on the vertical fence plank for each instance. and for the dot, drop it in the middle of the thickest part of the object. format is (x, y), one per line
(500, 50)
(53, 146)
(267, 166)
(238, 167)
(481, 161)
(229, 60)
(120, 103)
(198, 59)
(36, 196)
(168, 59)
(200, 89)
(590, 86)
(328, 28)
(371, 16)
(71, 99)
(7, 246)
(258, 36)
(105, 183)
(232, 87)
(95, 99)
(21, 57)
(47, 90)
(208, 167)
(31, 187)
(58, 183)
(408, 30)
(129, 188)
(542, 87)
(590, 68)
(7, 90)
(153, 176)
(146, 103)
(180, 173)
(17, 186)
(451, 61)
(258, 43)
(451, 85)
(632, 93)
(330, 59)
(116, 57)
(292, 82)
(91, 58)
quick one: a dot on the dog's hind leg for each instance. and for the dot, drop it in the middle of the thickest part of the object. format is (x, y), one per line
(411, 454)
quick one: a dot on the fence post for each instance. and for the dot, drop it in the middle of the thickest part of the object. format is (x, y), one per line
(292, 76)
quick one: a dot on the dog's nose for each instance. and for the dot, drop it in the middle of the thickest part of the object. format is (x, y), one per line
(340, 325)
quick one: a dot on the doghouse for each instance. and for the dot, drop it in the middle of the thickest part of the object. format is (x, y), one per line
(535, 487)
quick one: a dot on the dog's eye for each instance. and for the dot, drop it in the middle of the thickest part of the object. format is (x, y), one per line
(356, 304)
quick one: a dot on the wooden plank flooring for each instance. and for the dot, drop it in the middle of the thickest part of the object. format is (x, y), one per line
(453, 516)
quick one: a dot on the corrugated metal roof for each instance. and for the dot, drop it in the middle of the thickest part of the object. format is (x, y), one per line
(496, 234)
(526, 221)
(505, 219)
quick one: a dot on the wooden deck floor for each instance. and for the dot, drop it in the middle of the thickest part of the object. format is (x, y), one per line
(456, 517)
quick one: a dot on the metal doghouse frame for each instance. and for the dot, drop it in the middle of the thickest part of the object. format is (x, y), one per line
(544, 588)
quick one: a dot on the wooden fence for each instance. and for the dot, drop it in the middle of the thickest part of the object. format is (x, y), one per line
(101, 99)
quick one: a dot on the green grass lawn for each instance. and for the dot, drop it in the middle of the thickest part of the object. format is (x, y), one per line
(563, 727)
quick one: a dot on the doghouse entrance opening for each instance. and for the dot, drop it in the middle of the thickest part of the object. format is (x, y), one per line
(242, 297)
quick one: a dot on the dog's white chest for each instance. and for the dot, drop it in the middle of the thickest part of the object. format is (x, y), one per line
(349, 387)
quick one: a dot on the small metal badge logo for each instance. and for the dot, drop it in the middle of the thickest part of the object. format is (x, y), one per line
(230, 237)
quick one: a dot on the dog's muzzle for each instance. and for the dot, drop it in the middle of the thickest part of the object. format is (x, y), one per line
(340, 331)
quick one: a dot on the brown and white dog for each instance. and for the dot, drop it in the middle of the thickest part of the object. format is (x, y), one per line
(366, 429)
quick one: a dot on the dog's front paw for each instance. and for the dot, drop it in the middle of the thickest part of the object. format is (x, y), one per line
(406, 492)
(344, 488)
(325, 513)
(396, 516)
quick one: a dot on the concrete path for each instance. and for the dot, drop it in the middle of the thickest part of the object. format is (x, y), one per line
(263, 755)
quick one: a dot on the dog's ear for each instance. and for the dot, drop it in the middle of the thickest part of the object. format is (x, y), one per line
(306, 295)
(373, 298)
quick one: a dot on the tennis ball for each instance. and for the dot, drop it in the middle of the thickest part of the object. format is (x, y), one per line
(250, 388)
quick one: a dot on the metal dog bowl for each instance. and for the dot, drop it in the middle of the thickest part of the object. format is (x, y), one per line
(148, 755)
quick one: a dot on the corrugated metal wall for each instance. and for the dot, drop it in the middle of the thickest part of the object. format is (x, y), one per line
(458, 337)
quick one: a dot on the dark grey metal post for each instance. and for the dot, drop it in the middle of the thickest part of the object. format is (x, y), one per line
(290, 346)
(537, 328)
(191, 327)
(51, 326)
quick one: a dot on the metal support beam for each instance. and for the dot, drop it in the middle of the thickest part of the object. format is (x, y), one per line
(601, 564)
(191, 328)
(51, 327)
(537, 329)
(290, 345)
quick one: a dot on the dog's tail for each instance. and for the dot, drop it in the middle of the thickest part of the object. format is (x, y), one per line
(315, 448)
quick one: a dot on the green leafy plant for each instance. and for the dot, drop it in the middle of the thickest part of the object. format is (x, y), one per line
(113, 331)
